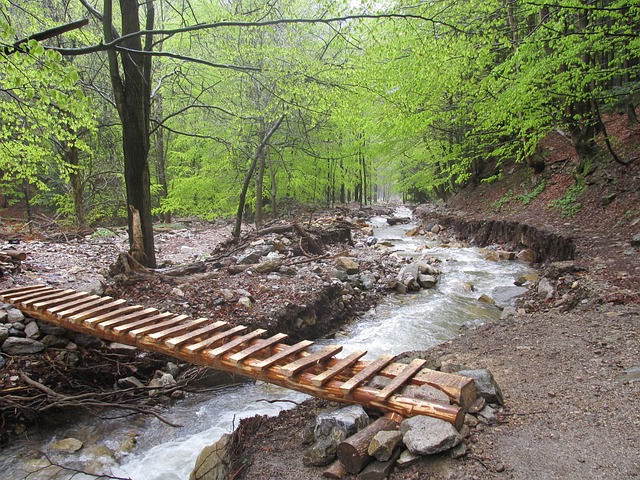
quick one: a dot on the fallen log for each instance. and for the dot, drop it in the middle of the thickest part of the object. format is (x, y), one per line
(13, 255)
(353, 452)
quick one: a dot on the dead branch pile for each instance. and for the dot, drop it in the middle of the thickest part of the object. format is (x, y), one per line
(11, 261)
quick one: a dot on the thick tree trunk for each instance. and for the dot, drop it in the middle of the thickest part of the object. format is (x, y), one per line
(77, 187)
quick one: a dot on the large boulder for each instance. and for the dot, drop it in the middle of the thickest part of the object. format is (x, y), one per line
(427, 435)
(22, 346)
(213, 461)
(486, 385)
(507, 295)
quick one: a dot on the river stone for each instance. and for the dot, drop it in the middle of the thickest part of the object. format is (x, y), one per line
(635, 240)
(427, 435)
(22, 346)
(506, 296)
(545, 288)
(2, 361)
(49, 329)
(527, 255)
(123, 349)
(14, 315)
(3, 316)
(383, 444)
(31, 330)
(631, 375)
(94, 286)
(379, 470)
(426, 392)
(213, 461)
(4, 333)
(486, 386)
(427, 281)
(368, 280)
(130, 382)
(249, 258)
(484, 298)
(341, 423)
(86, 341)
(55, 341)
(66, 445)
(348, 264)
(321, 453)
(407, 459)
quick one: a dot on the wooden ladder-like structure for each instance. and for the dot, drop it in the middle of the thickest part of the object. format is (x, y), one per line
(234, 349)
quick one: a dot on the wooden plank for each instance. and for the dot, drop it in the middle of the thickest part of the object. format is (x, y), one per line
(258, 347)
(409, 371)
(52, 303)
(119, 313)
(63, 314)
(136, 315)
(62, 306)
(222, 349)
(366, 373)
(95, 311)
(55, 295)
(121, 329)
(267, 362)
(9, 291)
(19, 298)
(338, 368)
(158, 326)
(216, 338)
(175, 342)
(311, 360)
(179, 330)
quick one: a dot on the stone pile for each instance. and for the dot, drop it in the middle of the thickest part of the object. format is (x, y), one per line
(401, 444)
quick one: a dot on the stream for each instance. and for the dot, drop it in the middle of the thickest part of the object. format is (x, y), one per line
(156, 451)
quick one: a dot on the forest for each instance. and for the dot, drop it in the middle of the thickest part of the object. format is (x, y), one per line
(137, 112)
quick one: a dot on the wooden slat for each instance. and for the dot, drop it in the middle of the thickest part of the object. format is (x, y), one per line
(9, 291)
(216, 338)
(96, 311)
(57, 295)
(137, 315)
(121, 329)
(366, 373)
(62, 306)
(59, 301)
(227, 347)
(267, 362)
(258, 347)
(119, 313)
(175, 342)
(409, 371)
(87, 306)
(18, 298)
(339, 367)
(311, 360)
(179, 330)
(158, 326)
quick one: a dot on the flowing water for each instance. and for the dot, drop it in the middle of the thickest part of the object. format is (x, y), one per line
(399, 323)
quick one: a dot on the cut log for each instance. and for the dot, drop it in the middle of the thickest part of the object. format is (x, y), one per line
(335, 470)
(353, 451)
(312, 244)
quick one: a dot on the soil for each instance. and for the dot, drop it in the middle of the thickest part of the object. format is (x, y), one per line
(571, 403)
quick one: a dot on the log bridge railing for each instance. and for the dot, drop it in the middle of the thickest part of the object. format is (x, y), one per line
(234, 349)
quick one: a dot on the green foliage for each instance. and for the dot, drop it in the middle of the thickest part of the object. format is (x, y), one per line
(505, 199)
(526, 198)
(104, 233)
(568, 204)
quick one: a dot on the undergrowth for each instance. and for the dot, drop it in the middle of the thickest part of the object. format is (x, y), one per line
(568, 204)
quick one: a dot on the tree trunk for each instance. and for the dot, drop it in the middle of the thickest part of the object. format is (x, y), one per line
(132, 96)
(259, 186)
(161, 161)
(274, 190)
(77, 186)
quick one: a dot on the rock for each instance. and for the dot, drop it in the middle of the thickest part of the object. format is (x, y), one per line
(491, 256)
(368, 280)
(488, 414)
(486, 386)
(66, 445)
(470, 420)
(14, 315)
(458, 451)
(635, 240)
(478, 405)
(384, 443)
(509, 312)
(86, 341)
(484, 298)
(4, 333)
(398, 220)
(436, 229)
(213, 461)
(347, 420)
(235, 269)
(608, 199)
(173, 369)
(505, 255)
(49, 329)
(338, 274)
(527, 255)
(321, 453)
(130, 382)
(349, 265)
(55, 341)
(630, 375)
(545, 288)
(507, 295)
(123, 349)
(3, 316)
(406, 459)
(19, 326)
(371, 241)
(249, 258)
(94, 286)
(245, 302)
(31, 330)
(22, 346)
(2, 361)
(427, 435)
(413, 232)
(427, 281)
(268, 266)
(379, 470)
(425, 392)
(166, 379)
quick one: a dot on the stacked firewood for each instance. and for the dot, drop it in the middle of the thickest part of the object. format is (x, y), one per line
(10, 261)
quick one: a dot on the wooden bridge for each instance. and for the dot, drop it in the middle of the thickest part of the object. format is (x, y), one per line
(219, 345)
